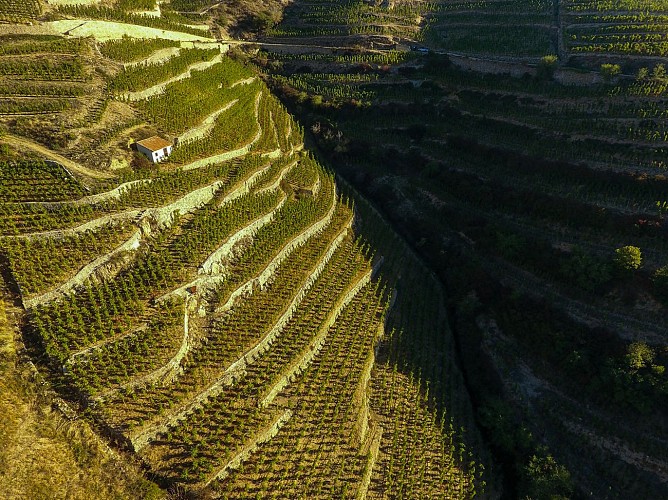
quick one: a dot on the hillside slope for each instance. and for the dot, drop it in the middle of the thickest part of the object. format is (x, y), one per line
(520, 148)
(221, 316)
(44, 455)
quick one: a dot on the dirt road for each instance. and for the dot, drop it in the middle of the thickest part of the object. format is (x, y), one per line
(76, 168)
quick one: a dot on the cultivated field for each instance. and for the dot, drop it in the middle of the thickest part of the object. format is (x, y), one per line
(522, 179)
(244, 320)
(223, 317)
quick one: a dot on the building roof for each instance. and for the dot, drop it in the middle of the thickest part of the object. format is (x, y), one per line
(154, 143)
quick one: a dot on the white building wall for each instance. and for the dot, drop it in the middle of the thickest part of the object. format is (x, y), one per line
(155, 156)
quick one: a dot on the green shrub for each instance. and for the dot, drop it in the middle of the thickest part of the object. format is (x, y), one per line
(628, 258)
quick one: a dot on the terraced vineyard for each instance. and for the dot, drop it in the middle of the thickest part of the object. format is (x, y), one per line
(246, 324)
(36, 84)
(14, 11)
(229, 318)
(516, 28)
(330, 21)
(628, 28)
(522, 179)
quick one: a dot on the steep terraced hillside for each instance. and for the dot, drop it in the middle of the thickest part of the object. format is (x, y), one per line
(222, 316)
(522, 154)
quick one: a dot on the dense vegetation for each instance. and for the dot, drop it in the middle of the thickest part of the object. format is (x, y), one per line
(250, 326)
(536, 190)
(231, 317)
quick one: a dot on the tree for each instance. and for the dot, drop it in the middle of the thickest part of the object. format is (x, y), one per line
(545, 478)
(642, 74)
(547, 66)
(609, 71)
(639, 355)
(635, 380)
(585, 270)
(264, 20)
(628, 258)
(659, 72)
(140, 162)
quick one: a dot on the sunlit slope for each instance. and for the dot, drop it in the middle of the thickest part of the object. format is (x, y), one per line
(43, 454)
(219, 315)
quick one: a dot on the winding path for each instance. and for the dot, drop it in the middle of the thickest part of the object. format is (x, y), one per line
(22, 143)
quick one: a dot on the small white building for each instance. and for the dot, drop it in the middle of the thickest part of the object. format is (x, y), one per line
(155, 148)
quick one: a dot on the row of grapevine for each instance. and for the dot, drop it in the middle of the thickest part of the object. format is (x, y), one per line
(621, 28)
(187, 102)
(39, 264)
(40, 89)
(18, 11)
(352, 18)
(324, 429)
(20, 218)
(386, 57)
(259, 375)
(128, 49)
(269, 240)
(144, 76)
(36, 181)
(44, 68)
(34, 107)
(174, 23)
(231, 130)
(46, 44)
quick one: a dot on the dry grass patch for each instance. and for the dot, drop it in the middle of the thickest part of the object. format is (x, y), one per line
(45, 456)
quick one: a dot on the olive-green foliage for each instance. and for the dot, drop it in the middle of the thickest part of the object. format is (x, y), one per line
(585, 270)
(660, 280)
(637, 380)
(659, 71)
(628, 258)
(639, 355)
(545, 478)
(609, 71)
(538, 473)
(546, 66)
